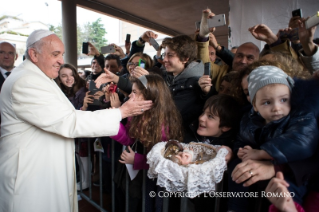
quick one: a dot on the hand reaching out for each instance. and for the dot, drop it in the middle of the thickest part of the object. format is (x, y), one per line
(93, 50)
(118, 51)
(127, 157)
(278, 186)
(263, 33)
(204, 28)
(107, 76)
(115, 101)
(306, 37)
(147, 35)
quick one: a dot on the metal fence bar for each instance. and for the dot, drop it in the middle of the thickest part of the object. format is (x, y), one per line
(92, 202)
(89, 155)
(144, 186)
(165, 204)
(84, 196)
(219, 188)
(101, 179)
(126, 192)
(112, 175)
(183, 204)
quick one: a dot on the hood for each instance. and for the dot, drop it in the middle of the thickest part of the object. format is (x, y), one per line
(194, 69)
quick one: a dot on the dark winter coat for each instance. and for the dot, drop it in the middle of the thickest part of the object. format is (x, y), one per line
(291, 138)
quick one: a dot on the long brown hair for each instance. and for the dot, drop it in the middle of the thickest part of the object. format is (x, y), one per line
(162, 116)
(78, 81)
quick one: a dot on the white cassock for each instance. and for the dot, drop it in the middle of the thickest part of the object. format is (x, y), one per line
(37, 167)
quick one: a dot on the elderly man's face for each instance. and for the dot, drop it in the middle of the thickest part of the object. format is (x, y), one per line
(50, 58)
(7, 56)
(246, 54)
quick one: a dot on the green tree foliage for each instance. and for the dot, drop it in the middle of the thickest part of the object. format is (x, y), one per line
(93, 32)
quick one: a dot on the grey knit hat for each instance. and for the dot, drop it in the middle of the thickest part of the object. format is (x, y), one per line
(265, 75)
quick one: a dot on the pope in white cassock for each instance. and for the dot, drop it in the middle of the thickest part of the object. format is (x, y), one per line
(37, 167)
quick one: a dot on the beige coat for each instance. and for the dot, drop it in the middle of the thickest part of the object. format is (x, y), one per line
(37, 168)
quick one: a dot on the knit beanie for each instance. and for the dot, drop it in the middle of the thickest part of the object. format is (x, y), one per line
(265, 75)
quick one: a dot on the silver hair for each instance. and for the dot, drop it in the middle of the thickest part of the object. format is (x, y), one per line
(37, 46)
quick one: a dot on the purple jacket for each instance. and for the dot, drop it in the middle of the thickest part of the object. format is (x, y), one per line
(123, 138)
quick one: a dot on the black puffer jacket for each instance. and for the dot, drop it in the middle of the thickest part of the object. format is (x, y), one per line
(292, 138)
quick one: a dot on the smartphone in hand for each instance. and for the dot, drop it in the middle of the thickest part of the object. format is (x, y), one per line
(85, 47)
(297, 12)
(217, 20)
(207, 69)
(154, 44)
(128, 38)
(108, 49)
(141, 63)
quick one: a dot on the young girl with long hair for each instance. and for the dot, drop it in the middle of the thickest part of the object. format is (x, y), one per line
(161, 123)
(71, 84)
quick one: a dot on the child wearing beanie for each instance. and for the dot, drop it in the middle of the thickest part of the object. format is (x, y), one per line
(274, 130)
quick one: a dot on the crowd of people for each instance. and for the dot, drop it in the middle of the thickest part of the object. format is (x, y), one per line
(260, 105)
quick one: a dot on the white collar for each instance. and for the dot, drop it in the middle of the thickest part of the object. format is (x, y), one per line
(3, 72)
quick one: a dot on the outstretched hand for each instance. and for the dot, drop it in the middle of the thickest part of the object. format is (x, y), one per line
(147, 35)
(306, 37)
(263, 33)
(93, 50)
(204, 28)
(278, 186)
(107, 76)
(134, 107)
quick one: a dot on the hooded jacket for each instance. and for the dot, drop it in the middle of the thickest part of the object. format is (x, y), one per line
(185, 91)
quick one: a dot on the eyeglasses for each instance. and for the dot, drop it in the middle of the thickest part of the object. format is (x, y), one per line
(132, 64)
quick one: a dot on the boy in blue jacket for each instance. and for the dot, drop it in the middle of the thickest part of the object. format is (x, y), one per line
(274, 130)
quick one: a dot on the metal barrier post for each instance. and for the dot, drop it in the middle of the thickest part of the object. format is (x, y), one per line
(165, 204)
(144, 186)
(101, 179)
(127, 192)
(183, 204)
(89, 198)
(112, 175)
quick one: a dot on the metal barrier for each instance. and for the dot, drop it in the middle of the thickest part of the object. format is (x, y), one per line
(184, 200)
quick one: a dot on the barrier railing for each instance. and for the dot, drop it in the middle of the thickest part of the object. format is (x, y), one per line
(99, 206)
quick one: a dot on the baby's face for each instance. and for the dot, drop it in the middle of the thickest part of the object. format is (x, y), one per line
(273, 102)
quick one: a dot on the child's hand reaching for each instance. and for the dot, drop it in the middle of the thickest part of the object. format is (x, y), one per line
(247, 153)
(127, 157)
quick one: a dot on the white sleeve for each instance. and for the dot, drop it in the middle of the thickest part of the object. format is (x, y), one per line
(35, 102)
(311, 62)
